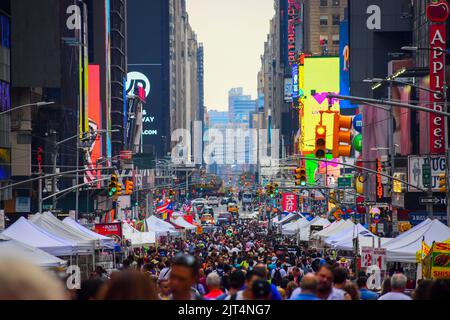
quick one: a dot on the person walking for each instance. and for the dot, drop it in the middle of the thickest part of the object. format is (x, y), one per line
(398, 285)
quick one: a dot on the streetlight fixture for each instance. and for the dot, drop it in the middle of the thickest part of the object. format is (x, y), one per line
(415, 48)
(379, 81)
(37, 104)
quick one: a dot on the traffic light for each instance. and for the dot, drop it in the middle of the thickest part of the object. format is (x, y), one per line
(442, 182)
(321, 142)
(332, 196)
(300, 176)
(119, 189)
(112, 188)
(129, 185)
(342, 136)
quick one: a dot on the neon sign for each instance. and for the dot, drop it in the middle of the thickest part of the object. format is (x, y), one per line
(293, 10)
(379, 184)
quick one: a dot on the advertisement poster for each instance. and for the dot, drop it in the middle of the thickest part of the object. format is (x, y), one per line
(437, 263)
(290, 202)
(112, 230)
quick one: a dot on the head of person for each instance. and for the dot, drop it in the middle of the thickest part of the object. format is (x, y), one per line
(129, 285)
(386, 285)
(250, 277)
(296, 272)
(422, 291)
(398, 282)
(183, 276)
(291, 286)
(213, 281)
(361, 282)
(237, 279)
(440, 289)
(261, 290)
(340, 276)
(309, 284)
(89, 289)
(20, 280)
(163, 287)
(325, 279)
(352, 290)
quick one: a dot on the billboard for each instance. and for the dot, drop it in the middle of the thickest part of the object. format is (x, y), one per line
(415, 164)
(148, 67)
(5, 163)
(344, 68)
(290, 201)
(321, 76)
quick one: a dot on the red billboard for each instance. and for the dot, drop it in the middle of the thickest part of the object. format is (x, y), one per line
(112, 230)
(290, 201)
(437, 13)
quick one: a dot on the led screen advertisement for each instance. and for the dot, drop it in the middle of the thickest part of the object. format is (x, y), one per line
(321, 76)
(148, 67)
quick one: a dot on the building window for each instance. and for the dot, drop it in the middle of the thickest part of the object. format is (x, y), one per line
(323, 3)
(336, 3)
(336, 19)
(323, 20)
(336, 40)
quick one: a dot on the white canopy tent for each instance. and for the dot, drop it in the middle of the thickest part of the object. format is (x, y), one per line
(347, 244)
(404, 248)
(48, 222)
(289, 218)
(105, 242)
(412, 230)
(305, 232)
(292, 228)
(13, 249)
(29, 233)
(334, 229)
(179, 221)
(161, 227)
(136, 237)
(357, 230)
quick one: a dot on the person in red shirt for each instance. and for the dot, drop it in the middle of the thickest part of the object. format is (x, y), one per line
(213, 284)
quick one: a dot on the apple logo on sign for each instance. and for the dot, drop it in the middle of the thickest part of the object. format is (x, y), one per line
(438, 11)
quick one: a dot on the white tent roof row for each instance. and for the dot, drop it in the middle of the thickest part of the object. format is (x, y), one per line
(10, 248)
(105, 242)
(405, 246)
(160, 227)
(349, 233)
(334, 229)
(288, 218)
(181, 222)
(303, 226)
(136, 237)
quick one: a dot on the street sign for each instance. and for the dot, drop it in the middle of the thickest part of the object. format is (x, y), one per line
(426, 175)
(344, 182)
(423, 201)
(379, 257)
(382, 205)
(366, 257)
(415, 167)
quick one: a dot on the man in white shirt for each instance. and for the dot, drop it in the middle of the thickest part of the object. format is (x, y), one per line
(398, 285)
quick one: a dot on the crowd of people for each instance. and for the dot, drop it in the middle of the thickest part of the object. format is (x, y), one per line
(232, 263)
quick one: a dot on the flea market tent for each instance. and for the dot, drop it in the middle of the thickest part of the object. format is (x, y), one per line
(179, 221)
(29, 233)
(10, 248)
(412, 230)
(105, 242)
(136, 237)
(349, 234)
(289, 218)
(48, 222)
(363, 241)
(305, 231)
(404, 247)
(334, 229)
(160, 226)
(292, 228)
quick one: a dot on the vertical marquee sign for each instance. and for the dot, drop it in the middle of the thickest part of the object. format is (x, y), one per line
(437, 13)
(289, 202)
(380, 190)
(293, 10)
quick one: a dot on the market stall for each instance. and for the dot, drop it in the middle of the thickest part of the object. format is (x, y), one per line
(104, 242)
(10, 248)
(136, 237)
(181, 222)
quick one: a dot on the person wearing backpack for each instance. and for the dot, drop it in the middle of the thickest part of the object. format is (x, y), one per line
(277, 275)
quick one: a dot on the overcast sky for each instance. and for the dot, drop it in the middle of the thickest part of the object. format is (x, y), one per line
(233, 34)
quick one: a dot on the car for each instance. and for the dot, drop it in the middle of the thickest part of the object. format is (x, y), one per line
(224, 200)
(199, 201)
(224, 217)
(213, 201)
(233, 208)
(207, 219)
(247, 198)
(253, 215)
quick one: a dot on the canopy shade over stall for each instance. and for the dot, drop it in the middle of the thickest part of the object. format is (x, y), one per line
(179, 221)
(160, 226)
(305, 232)
(348, 244)
(412, 230)
(48, 222)
(289, 218)
(136, 237)
(404, 247)
(334, 229)
(29, 233)
(357, 230)
(294, 227)
(105, 242)
(13, 249)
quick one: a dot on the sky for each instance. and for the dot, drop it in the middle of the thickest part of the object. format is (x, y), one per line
(233, 33)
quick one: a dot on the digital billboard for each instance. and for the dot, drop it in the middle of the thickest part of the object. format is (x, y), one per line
(321, 76)
(5, 163)
(148, 67)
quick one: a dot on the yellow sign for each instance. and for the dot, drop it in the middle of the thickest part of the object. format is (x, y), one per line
(436, 264)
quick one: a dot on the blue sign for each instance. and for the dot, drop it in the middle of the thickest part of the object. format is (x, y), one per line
(417, 217)
(5, 96)
(295, 81)
(358, 122)
(344, 57)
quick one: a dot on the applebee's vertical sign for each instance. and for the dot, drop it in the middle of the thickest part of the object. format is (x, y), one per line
(289, 202)
(437, 13)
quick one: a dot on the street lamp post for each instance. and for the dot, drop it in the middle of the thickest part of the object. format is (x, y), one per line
(36, 104)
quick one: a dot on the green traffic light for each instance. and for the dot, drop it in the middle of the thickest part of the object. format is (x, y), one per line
(303, 183)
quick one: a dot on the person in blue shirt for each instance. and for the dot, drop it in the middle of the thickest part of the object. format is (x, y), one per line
(308, 287)
(364, 292)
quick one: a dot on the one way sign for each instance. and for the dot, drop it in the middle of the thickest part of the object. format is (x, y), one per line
(432, 200)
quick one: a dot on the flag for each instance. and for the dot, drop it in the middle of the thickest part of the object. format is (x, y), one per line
(162, 207)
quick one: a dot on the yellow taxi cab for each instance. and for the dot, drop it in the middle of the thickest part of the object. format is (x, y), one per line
(207, 219)
(233, 208)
